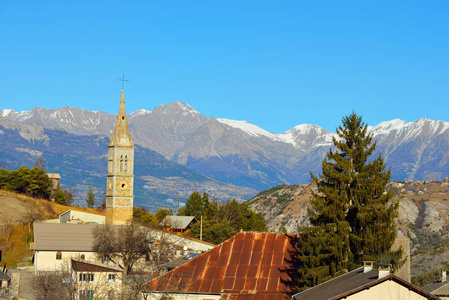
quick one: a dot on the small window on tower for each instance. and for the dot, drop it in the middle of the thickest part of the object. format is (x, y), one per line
(121, 163)
(123, 117)
(59, 255)
(126, 163)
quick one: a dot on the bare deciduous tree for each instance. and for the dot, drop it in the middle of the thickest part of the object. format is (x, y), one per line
(52, 285)
(32, 214)
(7, 226)
(4, 246)
(165, 240)
(122, 245)
(63, 284)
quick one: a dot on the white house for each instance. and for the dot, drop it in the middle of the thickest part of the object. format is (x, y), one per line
(56, 244)
(96, 280)
(365, 283)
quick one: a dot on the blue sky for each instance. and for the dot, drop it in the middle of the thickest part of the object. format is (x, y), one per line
(276, 64)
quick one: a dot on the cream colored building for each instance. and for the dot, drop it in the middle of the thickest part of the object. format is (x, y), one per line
(120, 177)
(56, 244)
(95, 280)
(366, 283)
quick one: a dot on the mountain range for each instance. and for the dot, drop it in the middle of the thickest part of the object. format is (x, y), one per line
(237, 155)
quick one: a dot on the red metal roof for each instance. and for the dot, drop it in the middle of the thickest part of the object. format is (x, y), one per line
(245, 267)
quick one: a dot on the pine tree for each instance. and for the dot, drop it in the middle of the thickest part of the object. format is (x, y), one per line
(352, 216)
(60, 196)
(90, 197)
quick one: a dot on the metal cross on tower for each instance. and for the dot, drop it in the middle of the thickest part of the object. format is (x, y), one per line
(123, 81)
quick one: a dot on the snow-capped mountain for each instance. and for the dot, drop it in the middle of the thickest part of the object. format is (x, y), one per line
(242, 153)
(72, 119)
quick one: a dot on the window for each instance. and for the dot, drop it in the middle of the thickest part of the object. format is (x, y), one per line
(121, 163)
(83, 256)
(87, 277)
(126, 163)
(111, 278)
(59, 255)
(86, 295)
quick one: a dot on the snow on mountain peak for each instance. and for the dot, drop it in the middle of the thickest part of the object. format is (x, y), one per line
(5, 112)
(398, 126)
(249, 128)
(306, 128)
(319, 135)
(140, 112)
(388, 126)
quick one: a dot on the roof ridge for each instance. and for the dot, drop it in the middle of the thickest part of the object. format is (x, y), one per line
(332, 279)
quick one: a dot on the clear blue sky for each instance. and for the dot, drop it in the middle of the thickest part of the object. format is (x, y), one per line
(276, 64)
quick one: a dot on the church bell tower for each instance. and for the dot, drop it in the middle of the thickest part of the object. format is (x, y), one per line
(120, 177)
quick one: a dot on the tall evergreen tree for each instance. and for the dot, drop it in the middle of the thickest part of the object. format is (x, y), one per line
(352, 216)
(90, 197)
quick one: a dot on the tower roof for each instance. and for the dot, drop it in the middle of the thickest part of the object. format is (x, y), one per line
(121, 136)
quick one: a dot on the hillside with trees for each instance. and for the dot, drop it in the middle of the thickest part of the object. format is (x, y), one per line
(220, 220)
(17, 214)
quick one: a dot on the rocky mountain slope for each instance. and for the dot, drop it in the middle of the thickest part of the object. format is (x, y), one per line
(81, 161)
(423, 217)
(423, 209)
(240, 153)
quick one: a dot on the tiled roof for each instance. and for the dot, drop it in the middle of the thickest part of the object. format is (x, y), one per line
(63, 237)
(245, 267)
(350, 283)
(439, 288)
(177, 222)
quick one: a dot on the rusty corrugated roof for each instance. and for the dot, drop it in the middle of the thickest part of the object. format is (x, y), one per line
(245, 267)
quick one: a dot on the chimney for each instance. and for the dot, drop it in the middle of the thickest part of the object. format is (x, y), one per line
(367, 266)
(443, 275)
(384, 270)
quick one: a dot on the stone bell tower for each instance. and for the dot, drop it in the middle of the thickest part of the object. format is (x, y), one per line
(120, 177)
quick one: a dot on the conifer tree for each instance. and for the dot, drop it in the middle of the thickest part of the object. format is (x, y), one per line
(352, 216)
(90, 197)
(60, 196)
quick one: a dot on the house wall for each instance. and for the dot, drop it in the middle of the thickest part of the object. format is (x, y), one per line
(387, 290)
(46, 260)
(101, 285)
